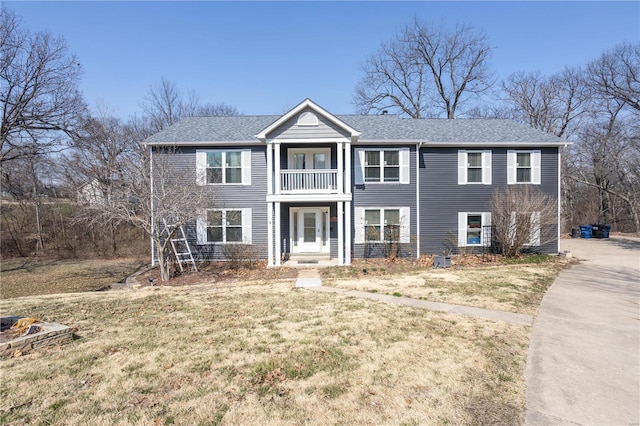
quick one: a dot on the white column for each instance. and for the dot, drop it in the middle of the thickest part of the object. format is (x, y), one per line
(278, 236)
(277, 169)
(418, 145)
(269, 169)
(347, 233)
(347, 168)
(269, 234)
(340, 151)
(340, 232)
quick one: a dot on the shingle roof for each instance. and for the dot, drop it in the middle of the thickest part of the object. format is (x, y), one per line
(373, 128)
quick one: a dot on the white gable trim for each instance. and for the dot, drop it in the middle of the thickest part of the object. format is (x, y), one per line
(307, 103)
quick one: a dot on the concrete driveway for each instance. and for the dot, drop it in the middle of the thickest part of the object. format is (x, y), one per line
(583, 365)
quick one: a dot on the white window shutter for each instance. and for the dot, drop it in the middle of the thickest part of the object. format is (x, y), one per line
(358, 167)
(404, 165)
(486, 229)
(201, 227)
(535, 229)
(511, 167)
(486, 167)
(405, 225)
(358, 225)
(462, 229)
(201, 168)
(462, 167)
(246, 226)
(535, 167)
(246, 167)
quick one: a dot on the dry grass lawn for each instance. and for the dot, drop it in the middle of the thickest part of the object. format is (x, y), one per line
(514, 288)
(21, 277)
(262, 353)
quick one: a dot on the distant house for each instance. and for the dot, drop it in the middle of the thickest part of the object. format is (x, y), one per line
(311, 182)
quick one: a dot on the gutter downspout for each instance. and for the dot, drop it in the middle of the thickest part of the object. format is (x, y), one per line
(153, 257)
(418, 147)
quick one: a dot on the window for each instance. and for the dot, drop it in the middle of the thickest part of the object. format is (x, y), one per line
(223, 167)
(381, 166)
(474, 229)
(523, 167)
(225, 226)
(382, 224)
(474, 167)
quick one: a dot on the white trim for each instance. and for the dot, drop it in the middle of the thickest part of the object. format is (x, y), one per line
(277, 166)
(404, 214)
(153, 226)
(202, 224)
(485, 166)
(405, 170)
(462, 229)
(559, 197)
(403, 165)
(480, 145)
(340, 211)
(347, 226)
(307, 103)
(318, 210)
(321, 197)
(201, 166)
(358, 217)
(358, 166)
(278, 234)
(269, 169)
(485, 220)
(270, 234)
(535, 159)
(347, 168)
(245, 165)
(418, 146)
(306, 140)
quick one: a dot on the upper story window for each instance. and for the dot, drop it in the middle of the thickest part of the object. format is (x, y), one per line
(523, 167)
(474, 167)
(223, 167)
(381, 166)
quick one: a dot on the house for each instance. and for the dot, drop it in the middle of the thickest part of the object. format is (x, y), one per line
(311, 182)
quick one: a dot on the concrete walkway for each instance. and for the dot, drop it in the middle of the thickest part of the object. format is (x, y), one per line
(510, 317)
(583, 365)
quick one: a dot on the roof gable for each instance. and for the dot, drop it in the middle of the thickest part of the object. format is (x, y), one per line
(307, 113)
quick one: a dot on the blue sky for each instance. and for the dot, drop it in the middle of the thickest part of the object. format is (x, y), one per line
(266, 57)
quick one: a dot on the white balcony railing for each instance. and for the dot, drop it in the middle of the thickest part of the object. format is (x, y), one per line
(308, 181)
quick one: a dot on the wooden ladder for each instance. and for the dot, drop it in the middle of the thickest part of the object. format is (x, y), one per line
(179, 245)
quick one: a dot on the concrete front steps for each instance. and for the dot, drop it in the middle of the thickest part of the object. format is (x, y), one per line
(310, 260)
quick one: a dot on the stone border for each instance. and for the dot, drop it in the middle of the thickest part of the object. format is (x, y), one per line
(51, 333)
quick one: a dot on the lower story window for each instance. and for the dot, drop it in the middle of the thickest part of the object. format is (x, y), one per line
(225, 226)
(382, 224)
(474, 229)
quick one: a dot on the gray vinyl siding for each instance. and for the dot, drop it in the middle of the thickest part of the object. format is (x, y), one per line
(385, 195)
(227, 197)
(291, 130)
(441, 198)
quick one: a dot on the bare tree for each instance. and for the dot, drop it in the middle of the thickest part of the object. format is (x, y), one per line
(522, 217)
(616, 74)
(151, 192)
(165, 105)
(41, 103)
(426, 71)
(552, 104)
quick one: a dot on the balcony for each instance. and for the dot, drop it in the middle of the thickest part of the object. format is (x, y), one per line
(309, 181)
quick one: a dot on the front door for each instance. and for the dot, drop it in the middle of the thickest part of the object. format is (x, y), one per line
(309, 230)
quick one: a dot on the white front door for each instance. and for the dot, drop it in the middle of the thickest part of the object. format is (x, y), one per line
(310, 230)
